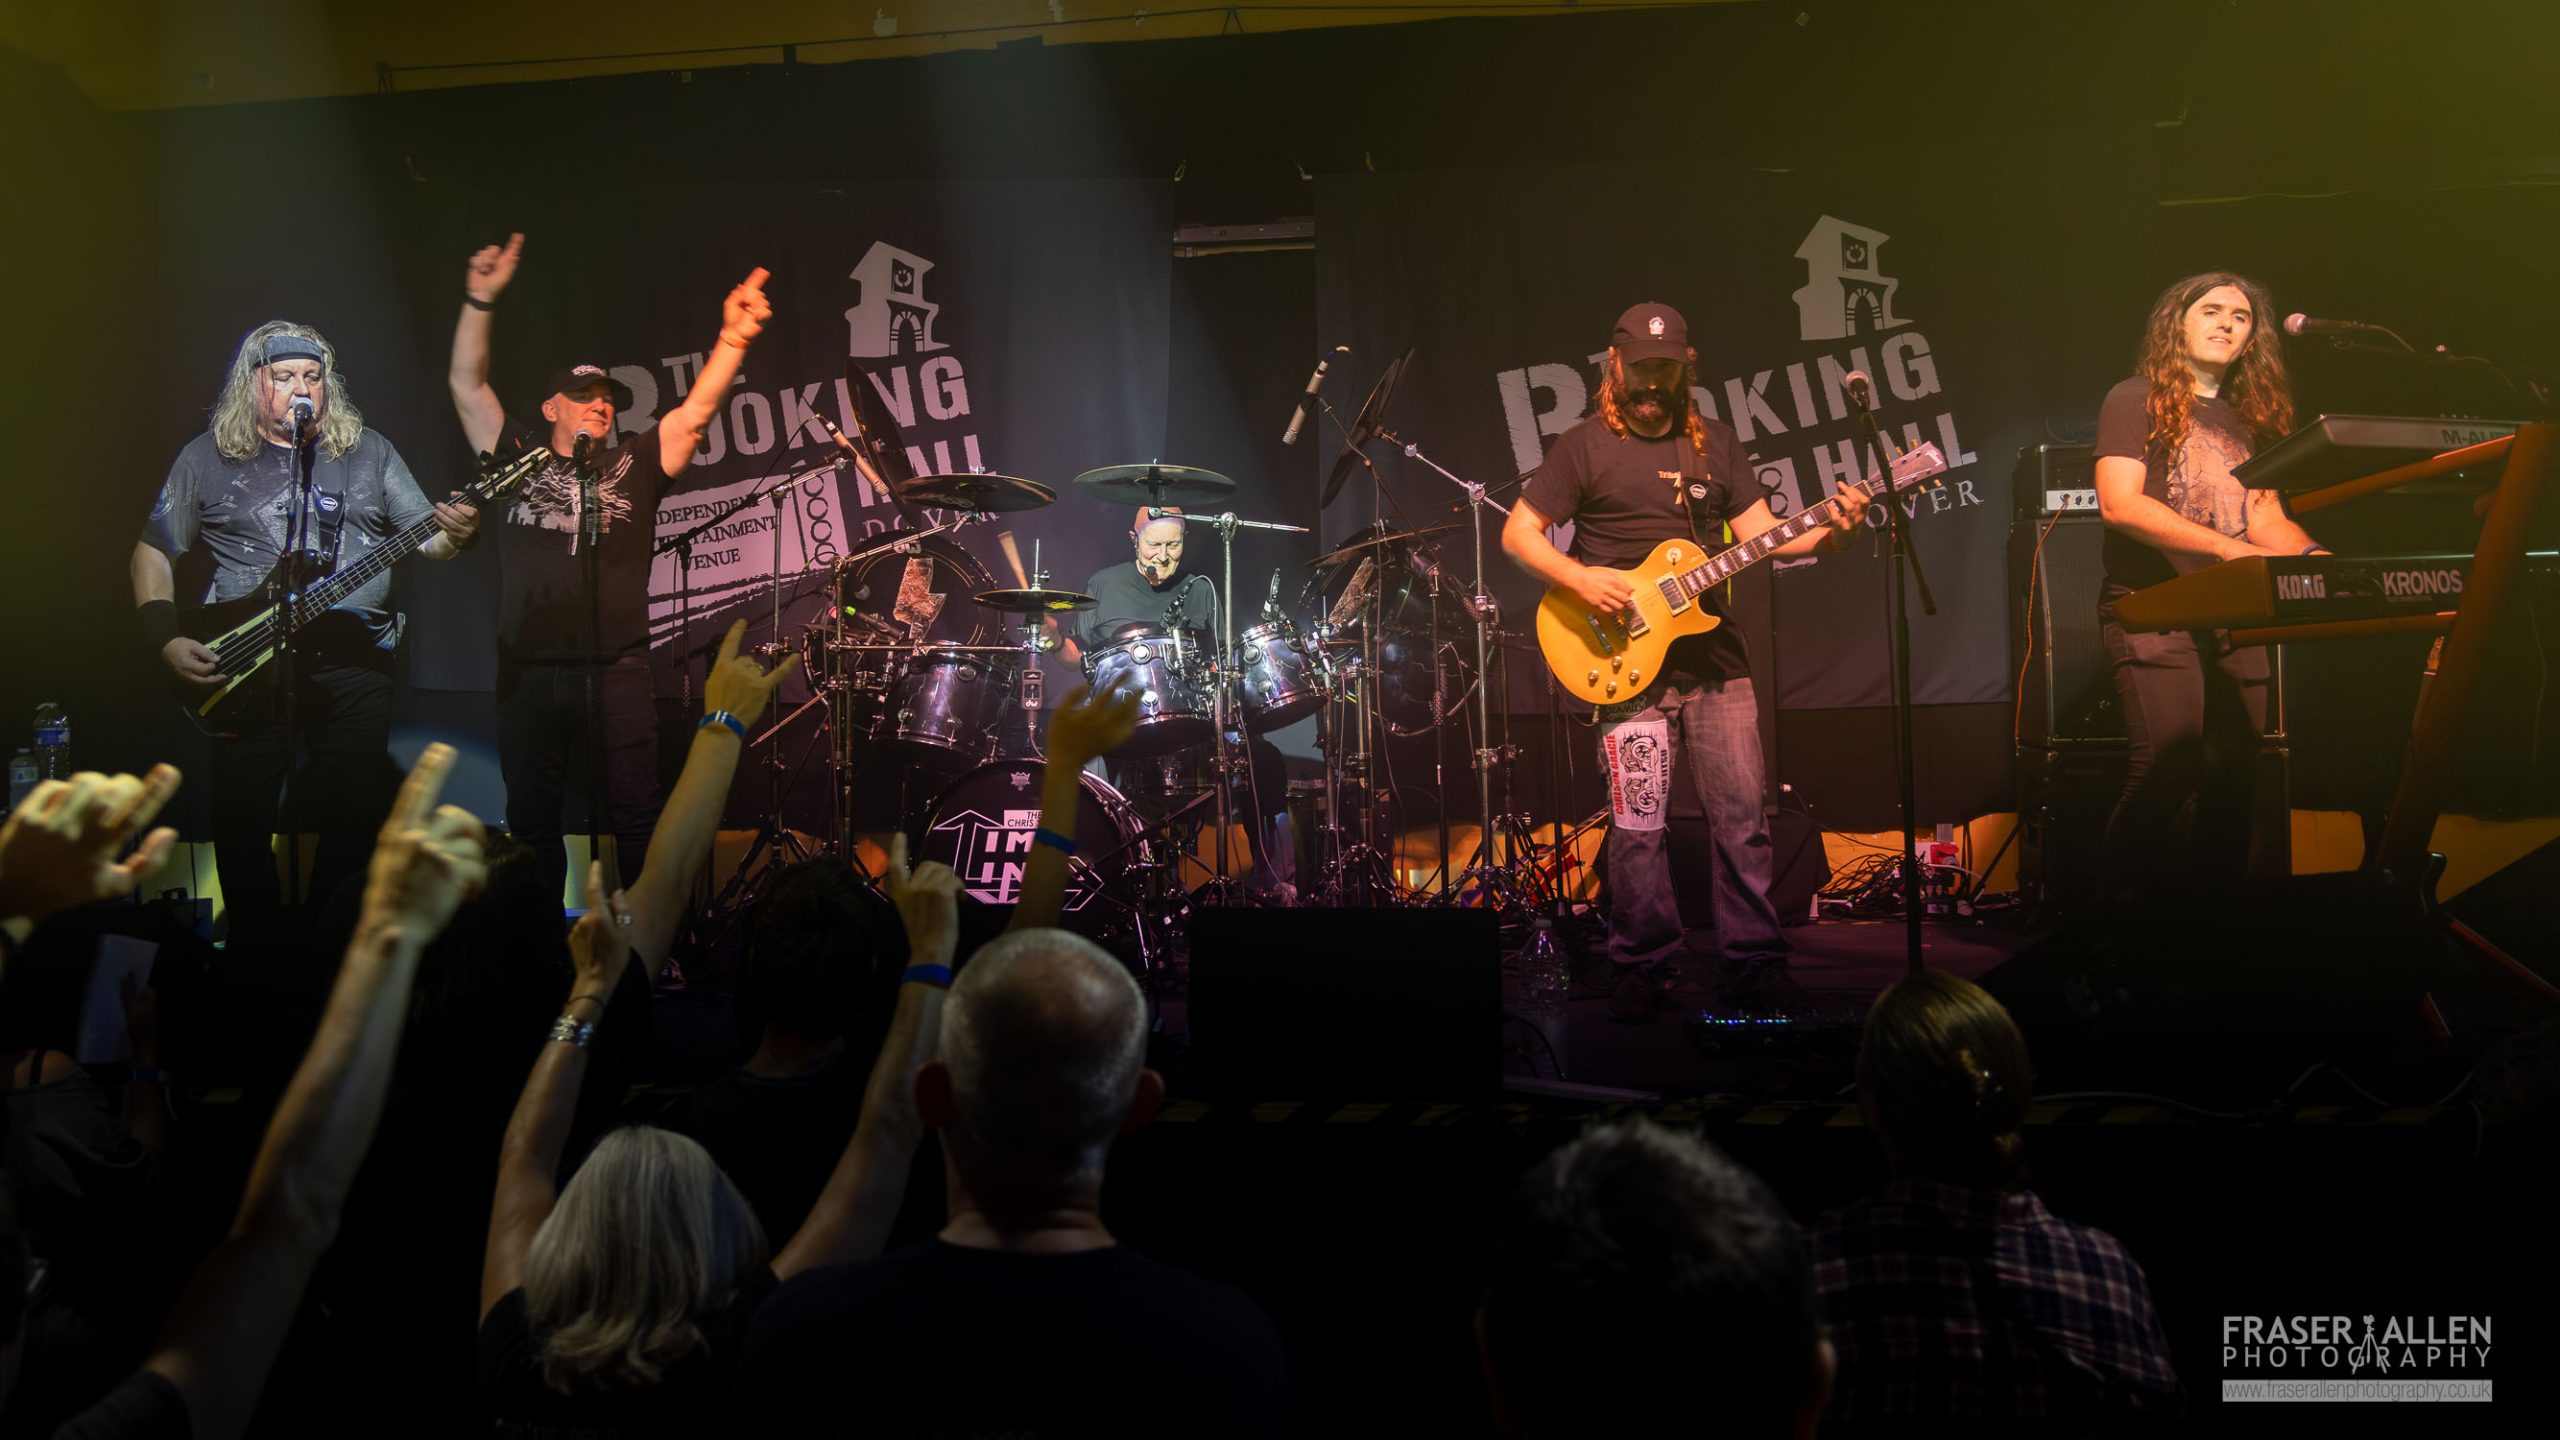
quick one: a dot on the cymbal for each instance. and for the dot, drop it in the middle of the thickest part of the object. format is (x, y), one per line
(1355, 549)
(875, 430)
(990, 493)
(1034, 601)
(1156, 485)
(1364, 428)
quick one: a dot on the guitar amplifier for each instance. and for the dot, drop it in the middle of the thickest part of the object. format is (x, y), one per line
(2055, 480)
(2066, 682)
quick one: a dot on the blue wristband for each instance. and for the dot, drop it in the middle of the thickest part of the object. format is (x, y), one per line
(1064, 845)
(937, 976)
(2315, 550)
(723, 717)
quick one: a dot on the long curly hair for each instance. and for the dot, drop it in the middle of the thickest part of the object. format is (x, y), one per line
(1609, 398)
(235, 427)
(2256, 386)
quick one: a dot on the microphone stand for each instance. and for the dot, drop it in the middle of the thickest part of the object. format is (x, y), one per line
(1899, 618)
(289, 647)
(591, 534)
(1486, 614)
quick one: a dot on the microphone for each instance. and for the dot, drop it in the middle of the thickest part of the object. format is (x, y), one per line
(1271, 602)
(1861, 388)
(1307, 401)
(583, 446)
(2298, 323)
(860, 464)
(302, 412)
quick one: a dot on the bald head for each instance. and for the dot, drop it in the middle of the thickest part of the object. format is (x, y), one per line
(1044, 1036)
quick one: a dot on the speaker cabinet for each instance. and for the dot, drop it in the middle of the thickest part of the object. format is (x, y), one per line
(1317, 1004)
(2066, 794)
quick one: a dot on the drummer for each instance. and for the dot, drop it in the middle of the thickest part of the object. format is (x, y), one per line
(1153, 594)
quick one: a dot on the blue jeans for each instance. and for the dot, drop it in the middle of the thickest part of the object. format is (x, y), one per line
(1711, 730)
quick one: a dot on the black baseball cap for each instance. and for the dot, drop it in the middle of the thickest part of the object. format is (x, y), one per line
(574, 377)
(1651, 331)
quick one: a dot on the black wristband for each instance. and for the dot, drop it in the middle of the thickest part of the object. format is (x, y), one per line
(476, 303)
(159, 622)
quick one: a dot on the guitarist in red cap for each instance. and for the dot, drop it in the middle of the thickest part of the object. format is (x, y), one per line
(1644, 467)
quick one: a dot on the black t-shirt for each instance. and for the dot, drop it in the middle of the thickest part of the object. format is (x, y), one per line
(692, 1399)
(778, 1139)
(940, 1340)
(1122, 595)
(542, 586)
(1626, 494)
(2196, 481)
(145, 1407)
(238, 510)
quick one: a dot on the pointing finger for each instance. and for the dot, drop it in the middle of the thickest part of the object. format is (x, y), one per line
(418, 793)
(756, 278)
(729, 642)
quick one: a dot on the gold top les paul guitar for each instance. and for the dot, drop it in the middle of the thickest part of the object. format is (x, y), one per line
(1605, 659)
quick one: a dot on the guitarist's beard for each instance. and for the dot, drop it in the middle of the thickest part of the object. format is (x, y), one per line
(1655, 410)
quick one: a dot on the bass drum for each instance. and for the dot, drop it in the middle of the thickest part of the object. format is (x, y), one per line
(886, 603)
(981, 826)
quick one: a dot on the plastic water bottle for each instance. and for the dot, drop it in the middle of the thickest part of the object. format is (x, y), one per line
(22, 776)
(53, 742)
(1546, 981)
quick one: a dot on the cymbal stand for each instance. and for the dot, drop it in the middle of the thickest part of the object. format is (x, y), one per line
(1225, 768)
(1487, 615)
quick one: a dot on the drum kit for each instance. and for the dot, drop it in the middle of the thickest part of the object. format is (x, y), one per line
(915, 674)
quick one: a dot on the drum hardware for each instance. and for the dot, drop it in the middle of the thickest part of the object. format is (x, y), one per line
(976, 491)
(1485, 618)
(1156, 485)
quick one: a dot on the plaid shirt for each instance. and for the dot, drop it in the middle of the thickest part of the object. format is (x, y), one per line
(1978, 1310)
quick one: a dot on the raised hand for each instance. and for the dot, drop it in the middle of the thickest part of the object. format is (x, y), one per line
(492, 266)
(1092, 724)
(57, 850)
(737, 683)
(743, 314)
(928, 901)
(427, 860)
(601, 944)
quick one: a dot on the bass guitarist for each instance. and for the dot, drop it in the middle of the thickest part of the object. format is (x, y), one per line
(1644, 467)
(231, 491)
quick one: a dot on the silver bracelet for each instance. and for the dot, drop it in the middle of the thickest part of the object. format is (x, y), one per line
(574, 1030)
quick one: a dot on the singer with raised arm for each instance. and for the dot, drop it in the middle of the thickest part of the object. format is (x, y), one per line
(1644, 467)
(2211, 389)
(283, 418)
(553, 622)
(1152, 594)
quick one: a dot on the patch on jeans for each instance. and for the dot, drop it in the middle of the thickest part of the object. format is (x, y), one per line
(1638, 754)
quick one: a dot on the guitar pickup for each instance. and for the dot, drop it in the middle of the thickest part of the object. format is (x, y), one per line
(1672, 594)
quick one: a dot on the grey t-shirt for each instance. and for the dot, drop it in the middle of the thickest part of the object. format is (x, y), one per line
(238, 510)
(1121, 595)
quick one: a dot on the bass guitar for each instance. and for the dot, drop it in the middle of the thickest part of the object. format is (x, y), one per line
(1603, 659)
(246, 634)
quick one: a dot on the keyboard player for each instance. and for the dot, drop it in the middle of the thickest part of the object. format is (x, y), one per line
(2211, 390)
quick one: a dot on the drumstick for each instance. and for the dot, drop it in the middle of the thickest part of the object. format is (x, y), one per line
(1013, 557)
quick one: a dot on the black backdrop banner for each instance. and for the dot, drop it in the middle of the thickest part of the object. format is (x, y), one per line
(1018, 327)
(1965, 285)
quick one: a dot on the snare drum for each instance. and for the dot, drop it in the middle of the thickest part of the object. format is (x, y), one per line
(1283, 681)
(945, 705)
(1170, 674)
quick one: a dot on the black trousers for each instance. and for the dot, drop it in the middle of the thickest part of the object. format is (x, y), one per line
(544, 730)
(2195, 707)
(341, 789)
